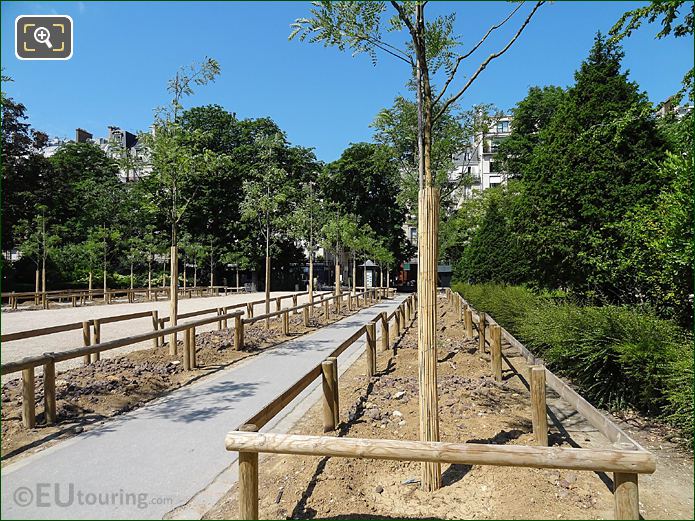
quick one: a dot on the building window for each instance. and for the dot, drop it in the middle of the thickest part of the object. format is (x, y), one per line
(502, 126)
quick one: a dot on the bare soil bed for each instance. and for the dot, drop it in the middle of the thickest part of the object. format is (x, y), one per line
(473, 408)
(93, 393)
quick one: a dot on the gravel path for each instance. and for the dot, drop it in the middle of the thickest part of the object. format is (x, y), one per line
(26, 320)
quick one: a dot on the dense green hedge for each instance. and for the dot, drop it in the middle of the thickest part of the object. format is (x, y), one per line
(618, 356)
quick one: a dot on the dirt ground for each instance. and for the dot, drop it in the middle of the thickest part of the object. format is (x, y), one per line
(91, 394)
(473, 408)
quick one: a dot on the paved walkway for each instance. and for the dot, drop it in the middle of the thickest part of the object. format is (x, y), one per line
(26, 320)
(156, 458)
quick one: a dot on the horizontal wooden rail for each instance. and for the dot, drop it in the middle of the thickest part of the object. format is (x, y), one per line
(40, 332)
(35, 361)
(596, 460)
(272, 314)
(32, 333)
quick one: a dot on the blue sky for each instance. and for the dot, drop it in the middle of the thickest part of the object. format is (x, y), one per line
(126, 51)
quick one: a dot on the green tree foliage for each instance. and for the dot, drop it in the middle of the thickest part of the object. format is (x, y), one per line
(365, 182)
(26, 177)
(454, 132)
(656, 261)
(531, 116)
(495, 253)
(592, 164)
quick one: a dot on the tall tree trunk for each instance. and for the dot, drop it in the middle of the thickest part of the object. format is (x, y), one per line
(105, 288)
(195, 274)
(388, 278)
(428, 223)
(237, 279)
(131, 276)
(43, 284)
(174, 297)
(184, 276)
(354, 273)
(149, 279)
(381, 277)
(267, 276)
(37, 287)
(311, 276)
(337, 273)
(365, 274)
(90, 286)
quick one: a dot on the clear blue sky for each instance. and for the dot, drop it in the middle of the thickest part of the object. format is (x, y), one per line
(126, 51)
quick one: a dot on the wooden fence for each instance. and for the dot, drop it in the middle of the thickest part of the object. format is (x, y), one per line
(81, 296)
(90, 351)
(626, 462)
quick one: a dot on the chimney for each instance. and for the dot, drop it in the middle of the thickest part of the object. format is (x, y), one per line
(82, 136)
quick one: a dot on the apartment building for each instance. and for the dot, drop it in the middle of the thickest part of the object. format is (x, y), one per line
(120, 145)
(477, 165)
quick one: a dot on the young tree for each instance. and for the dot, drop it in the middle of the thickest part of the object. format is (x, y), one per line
(430, 48)
(306, 221)
(175, 166)
(265, 196)
(38, 240)
(237, 261)
(336, 235)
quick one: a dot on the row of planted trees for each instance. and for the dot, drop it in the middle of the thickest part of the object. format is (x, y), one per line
(222, 194)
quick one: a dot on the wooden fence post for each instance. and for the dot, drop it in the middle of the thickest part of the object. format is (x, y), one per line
(294, 303)
(336, 391)
(384, 331)
(96, 323)
(225, 323)
(538, 413)
(194, 362)
(249, 310)
(626, 495)
(397, 324)
(329, 392)
(481, 333)
(49, 390)
(248, 480)
(86, 339)
(238, 333)
(28, 397)
(155, 327)
(468, 320)
(496, 352)
(186, 350)
(219, 322)
(326, 308)
(305, 316)
(278, 303)
(371, 349)
(286, 323)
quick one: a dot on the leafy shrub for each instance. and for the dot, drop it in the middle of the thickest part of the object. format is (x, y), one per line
(618, 356)
(508, 304)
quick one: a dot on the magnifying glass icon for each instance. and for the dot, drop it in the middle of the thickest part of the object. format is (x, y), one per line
(43, 35)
